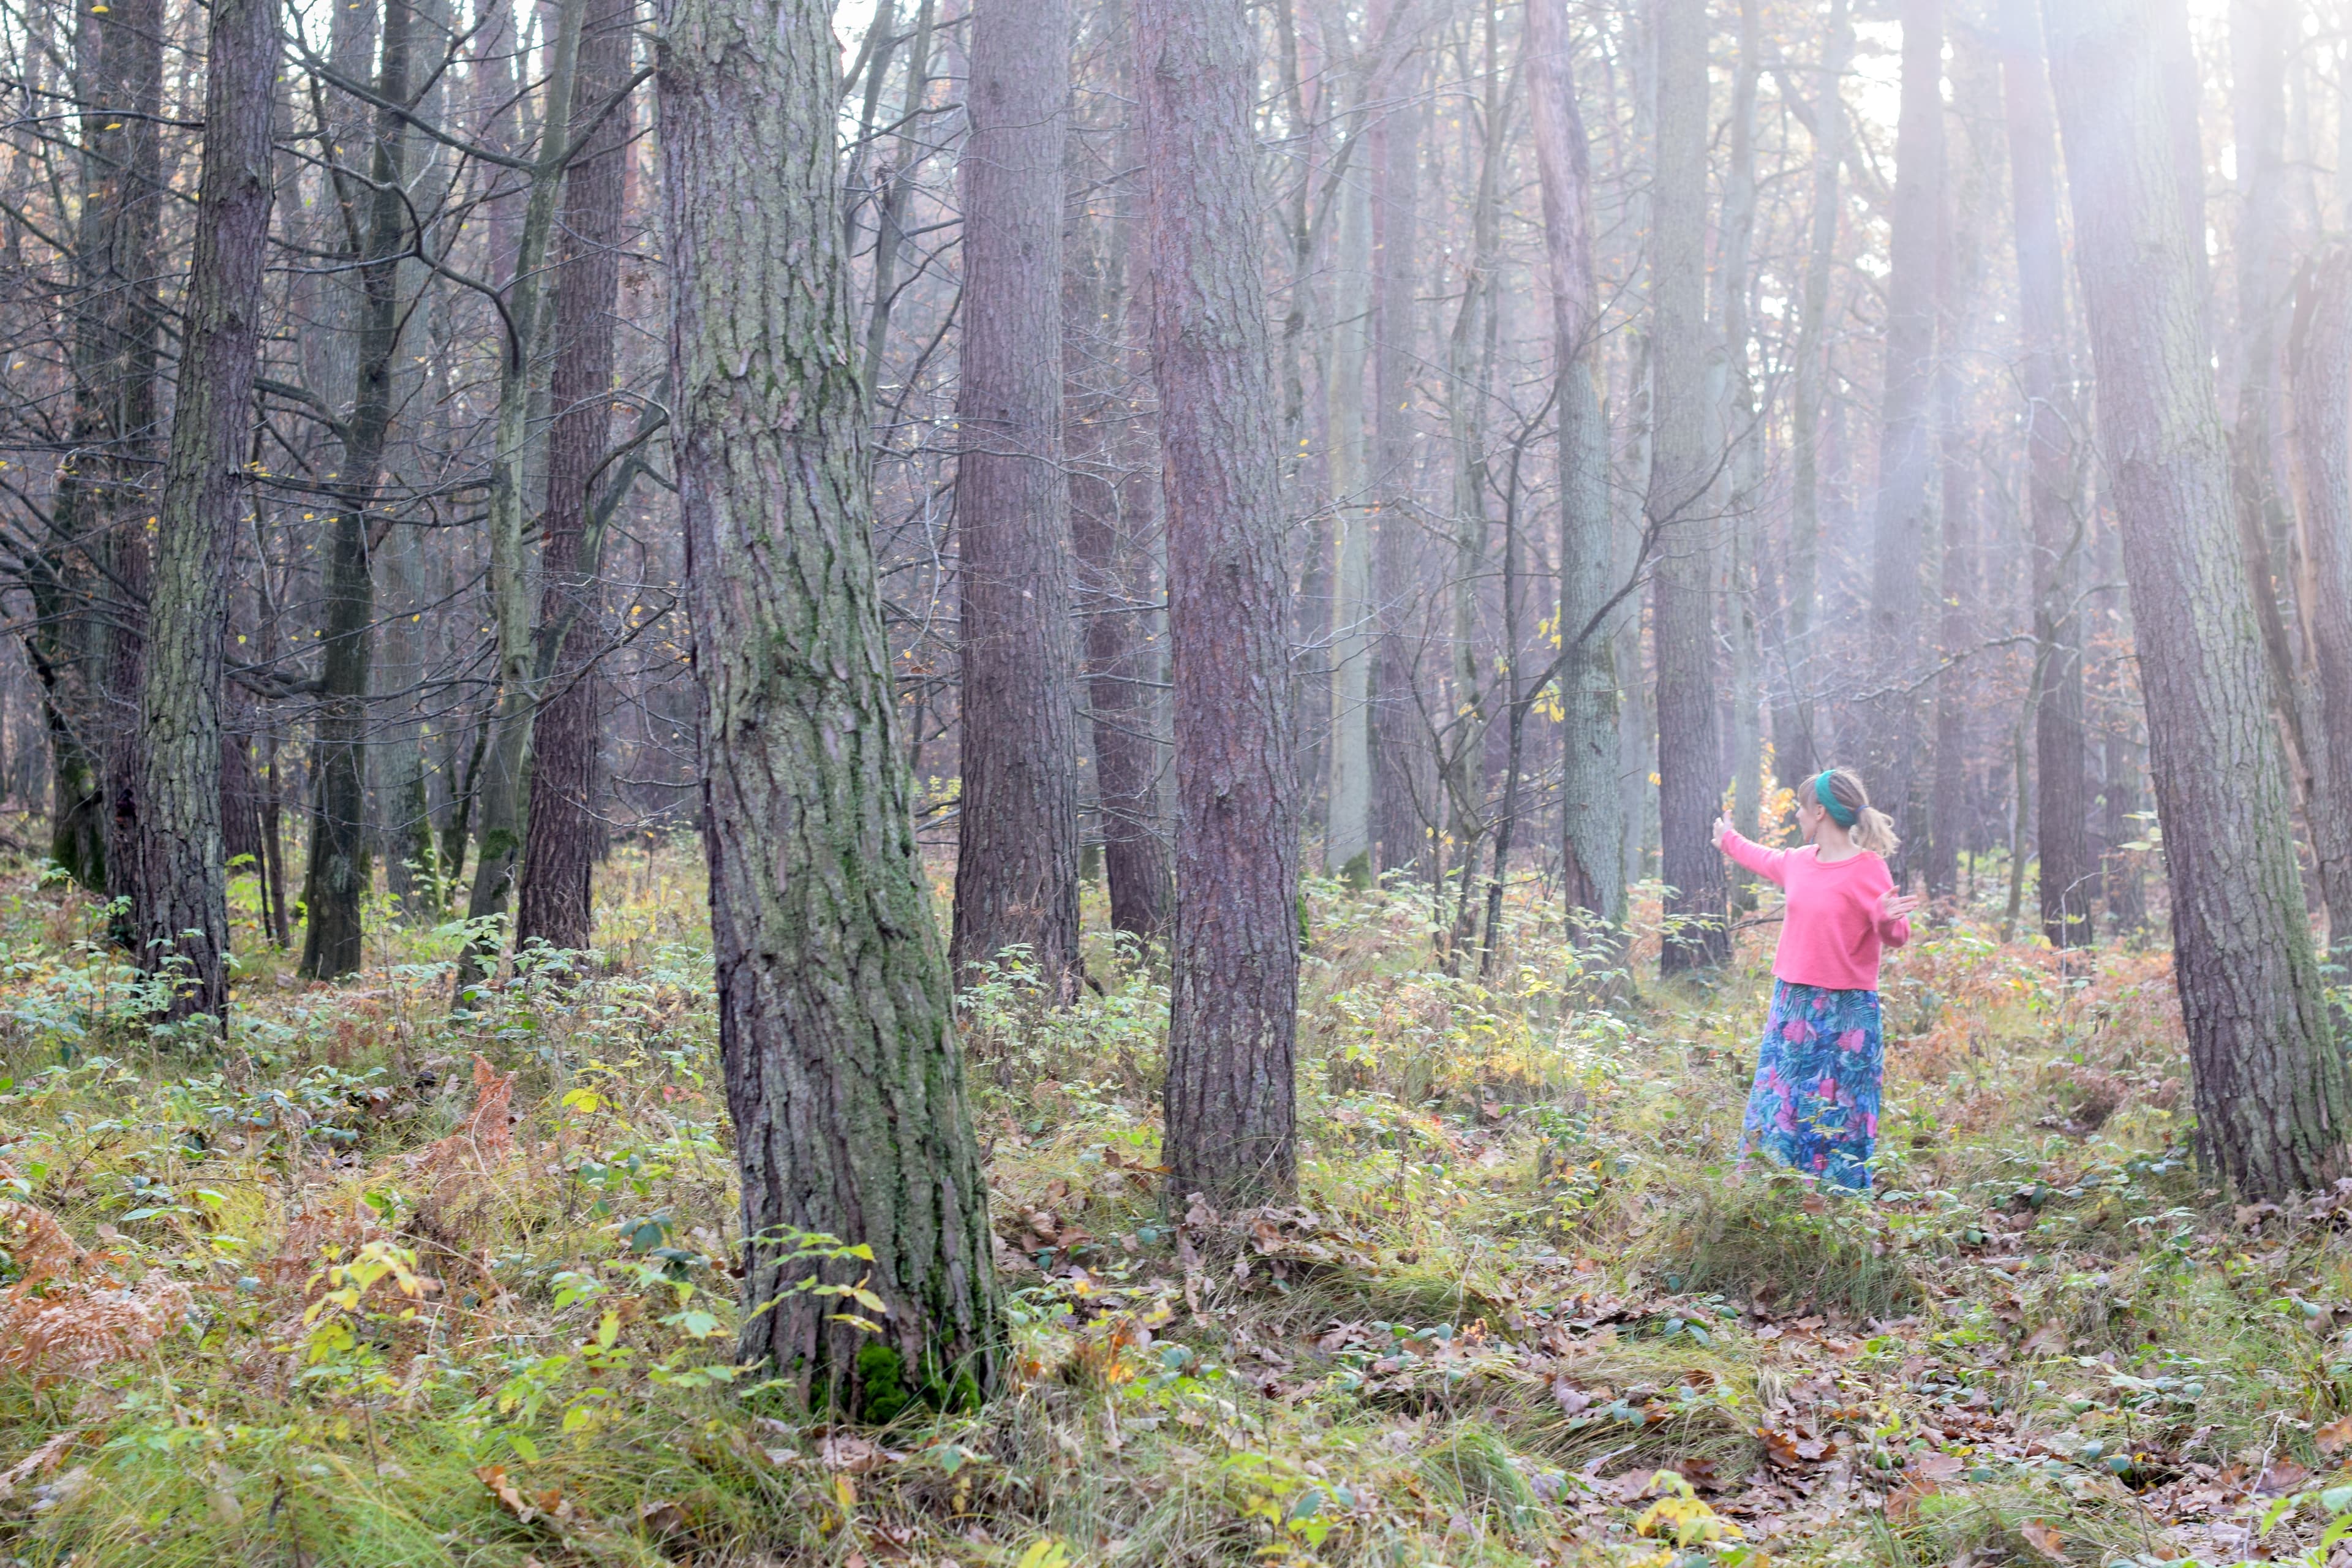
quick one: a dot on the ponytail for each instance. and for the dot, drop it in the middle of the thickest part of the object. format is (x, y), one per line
(1874, 830)
(1841, 790)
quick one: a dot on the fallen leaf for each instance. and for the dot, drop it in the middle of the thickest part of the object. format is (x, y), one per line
(1902, 1503)
(663, 1517)
(2050, 1339)
(1935, 1466)
(2334, 1437)
(2045, 1540)
(2283, 1476)
(1571, 1399)
(494, 1477)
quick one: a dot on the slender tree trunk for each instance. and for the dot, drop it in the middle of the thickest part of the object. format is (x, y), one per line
(2270, 1083)
(2070, 873)
(1348, 814)
(1905, 519)
(1394, 145)
(499, 811)
(1795, 746)
(1017, 882)
(1676, 520)
(1234, 993)
(1743, 437)
(897, 181)
(2321, 368)
(835, 1022)
(1113, 480)
(339, 874)
(562, 833)
(180, 909)
(1593, 854)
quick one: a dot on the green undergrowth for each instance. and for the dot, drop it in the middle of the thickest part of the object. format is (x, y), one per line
(436, 1281)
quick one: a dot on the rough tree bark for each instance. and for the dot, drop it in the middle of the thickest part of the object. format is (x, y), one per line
(1682, 469)
(2069, 869)
(2272, 1093)
(118, 77)
(180, 903)
(337, 874)
(1017, 882)
(1593, 859)
(835, 1024)
(1904, 516)
(561, 835)
(1231, 1097)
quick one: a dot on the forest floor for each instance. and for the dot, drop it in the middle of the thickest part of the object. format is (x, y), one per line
(396, 1283)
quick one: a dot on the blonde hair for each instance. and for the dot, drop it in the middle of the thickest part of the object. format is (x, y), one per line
(1872, 829)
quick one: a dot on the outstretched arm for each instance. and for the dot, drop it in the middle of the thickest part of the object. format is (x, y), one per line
(1769, 864)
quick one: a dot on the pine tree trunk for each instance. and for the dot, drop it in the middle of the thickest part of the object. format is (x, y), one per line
(1231, 1103)
(561, 833)
(1680, 530)
(180, 906)
(835, 1022)
(2321, 370)
(501, 807)
(1113, 482)
(1017, 882)
(1348, 809)
(338, 873)
(1393, 145)
(1795, 750)
(2070, 871)
(1904, 516)
(1593, 859)
(2270, 1085)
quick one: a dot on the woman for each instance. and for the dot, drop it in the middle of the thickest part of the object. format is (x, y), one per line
(1814, 1106)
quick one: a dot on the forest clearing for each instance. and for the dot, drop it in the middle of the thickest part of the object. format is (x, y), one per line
(484, 1316)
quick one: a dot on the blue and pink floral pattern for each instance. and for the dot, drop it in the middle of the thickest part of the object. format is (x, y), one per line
(1814, 1106)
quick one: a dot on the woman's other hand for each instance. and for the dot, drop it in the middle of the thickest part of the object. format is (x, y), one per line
(1895, 904)
(1723, 830)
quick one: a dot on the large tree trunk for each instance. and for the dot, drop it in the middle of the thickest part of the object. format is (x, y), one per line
(2070, 870)
(338, 875)
(1592, 863)
(2270, 1085)
(1235, 993)
(835, 1024)
(1904, 518)
(1016, 882)
(562, 833)
(1680, 532)
(180, 906)
(2321, 362)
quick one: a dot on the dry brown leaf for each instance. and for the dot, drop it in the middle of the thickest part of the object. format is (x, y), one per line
(2334, 1437)
(2043, 1540)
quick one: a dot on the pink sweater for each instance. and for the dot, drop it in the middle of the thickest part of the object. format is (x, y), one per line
(1831, 931)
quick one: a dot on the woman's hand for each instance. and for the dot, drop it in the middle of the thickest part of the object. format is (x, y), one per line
(1894, 904)
(1723, 829)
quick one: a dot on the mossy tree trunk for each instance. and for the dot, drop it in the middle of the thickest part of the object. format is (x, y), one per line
(175, 855)
(2272, 1089)
(834, 1024)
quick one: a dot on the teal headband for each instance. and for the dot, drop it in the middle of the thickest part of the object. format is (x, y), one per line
(1839, 813)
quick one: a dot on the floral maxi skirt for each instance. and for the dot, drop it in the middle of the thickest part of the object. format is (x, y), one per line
(1814, 1106)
